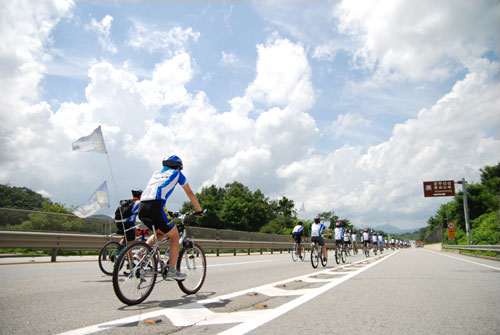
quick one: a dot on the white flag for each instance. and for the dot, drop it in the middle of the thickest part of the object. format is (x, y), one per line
(93, 142)
(98, 200)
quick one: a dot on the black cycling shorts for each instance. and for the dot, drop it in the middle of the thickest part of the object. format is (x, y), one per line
(154, 212)
(318, 239)
(297, 237)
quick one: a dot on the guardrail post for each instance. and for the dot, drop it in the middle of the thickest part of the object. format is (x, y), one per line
(234, 252)
(54, 255)
(217, 252)
(261, 251)
(248, 251)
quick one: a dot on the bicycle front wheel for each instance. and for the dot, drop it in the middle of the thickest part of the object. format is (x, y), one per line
(108, 256)
(294, 252)
(193, 263)
(303, 253)
(134, 274)
(314, 257)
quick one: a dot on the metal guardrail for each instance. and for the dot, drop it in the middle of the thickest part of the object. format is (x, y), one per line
(473, 247)
(206, 237)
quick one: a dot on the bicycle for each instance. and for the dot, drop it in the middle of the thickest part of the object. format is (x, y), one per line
(340, 253)
(143, 264)
(375, 248)
(295, 252)
(366, 249)
(316, 254)
(110, 251)
(348, 249)
(354, 248)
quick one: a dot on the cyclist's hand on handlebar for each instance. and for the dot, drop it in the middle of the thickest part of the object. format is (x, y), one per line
(200, 213)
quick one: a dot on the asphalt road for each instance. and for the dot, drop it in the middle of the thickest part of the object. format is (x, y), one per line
(412, 291)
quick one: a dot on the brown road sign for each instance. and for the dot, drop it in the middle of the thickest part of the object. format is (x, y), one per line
(442, 188)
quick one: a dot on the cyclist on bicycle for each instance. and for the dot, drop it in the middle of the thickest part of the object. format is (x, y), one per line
(338, 233)
(380, 240)
(366, 238)
(153, 210)
(126, 218)
(317, 229)
(347, 238)
(354, 240)
(374, 240)
(297, 234)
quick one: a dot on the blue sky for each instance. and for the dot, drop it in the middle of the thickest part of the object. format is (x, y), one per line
(334, 105)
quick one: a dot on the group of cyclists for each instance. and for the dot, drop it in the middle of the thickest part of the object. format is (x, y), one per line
(344, 238)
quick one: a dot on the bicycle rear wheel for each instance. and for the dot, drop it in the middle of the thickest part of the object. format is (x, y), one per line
(367, 251)
(314, 257)
(134, 274)
(193, 263)
(337, 256)
(324, 261)
(343, 253)
(108, 256)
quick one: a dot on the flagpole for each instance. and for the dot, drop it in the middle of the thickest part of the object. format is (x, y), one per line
(114, 186)
(116, 194)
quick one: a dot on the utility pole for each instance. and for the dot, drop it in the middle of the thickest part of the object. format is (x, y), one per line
(466, 208)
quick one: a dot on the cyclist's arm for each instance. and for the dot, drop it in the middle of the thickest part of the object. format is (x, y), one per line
(192, 197)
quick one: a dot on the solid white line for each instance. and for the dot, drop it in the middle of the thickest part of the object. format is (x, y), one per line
(463, 260)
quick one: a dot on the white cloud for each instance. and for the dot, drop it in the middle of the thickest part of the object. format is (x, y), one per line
(228, 59)
(44, 194)
(424, 40)
(349, 125)
(147, 37)
(283, 75)
(103, 29)
(325, 51)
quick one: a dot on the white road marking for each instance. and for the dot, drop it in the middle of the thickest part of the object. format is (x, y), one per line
(196, 313)
(463, 260)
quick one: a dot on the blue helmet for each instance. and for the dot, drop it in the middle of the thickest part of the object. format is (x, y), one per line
(173, 162)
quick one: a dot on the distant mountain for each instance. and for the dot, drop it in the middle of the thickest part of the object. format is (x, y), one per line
(392, 230)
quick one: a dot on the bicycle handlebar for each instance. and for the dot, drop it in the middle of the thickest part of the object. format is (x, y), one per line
(182, 216)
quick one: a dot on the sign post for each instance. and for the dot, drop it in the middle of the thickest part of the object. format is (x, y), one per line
(440, 188)
(466, 208)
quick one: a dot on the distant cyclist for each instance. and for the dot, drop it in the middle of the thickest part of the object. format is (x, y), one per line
(366, 238)
(297, 234)
(317, 230)
(374, 239)
(153, 209)
(338, 234)
(347, 239)
(354, 239)
(380, 240)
